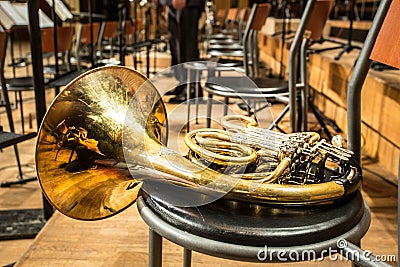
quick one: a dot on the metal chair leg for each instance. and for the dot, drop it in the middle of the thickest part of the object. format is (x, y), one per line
(155, 249)
(197, 85)
(226, 106)
(187, 257)
(18, 162)
(274, 124)
(188, 96)
(21, 111)
(209, 106)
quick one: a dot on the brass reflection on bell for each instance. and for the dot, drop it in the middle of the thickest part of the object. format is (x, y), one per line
(79, 156)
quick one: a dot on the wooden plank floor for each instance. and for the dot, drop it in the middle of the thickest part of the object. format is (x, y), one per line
(122, 239)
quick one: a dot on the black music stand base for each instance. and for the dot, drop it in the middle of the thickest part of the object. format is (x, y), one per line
(322, 40)
(347, 48)
(19, 181)
(323, 121)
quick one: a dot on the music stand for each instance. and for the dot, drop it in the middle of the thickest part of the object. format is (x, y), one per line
(158, 39)
(315, 26)
(61, 10)
(15, 15)
(285, 15)
(38, 79)
(121, 20)
(147, 43)
(348, 47)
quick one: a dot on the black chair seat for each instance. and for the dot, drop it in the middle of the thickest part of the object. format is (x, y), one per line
(9, 139)
(20, 83)
(220, 36)
(131, 48)
(65, 78)
(224, 41)
(229, 62)
(51, 69)
(226, 53)
(223, 64)
(279, 86)
(243, 223)
(227, 47)
(246, 85)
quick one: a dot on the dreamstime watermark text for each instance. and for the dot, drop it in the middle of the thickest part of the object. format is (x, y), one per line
(333, 254)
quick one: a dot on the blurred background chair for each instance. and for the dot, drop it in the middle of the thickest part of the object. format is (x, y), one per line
(107, 46)
(85, 44)
(10, 138)
(227, 27)
(21, 84)
(268, 88)
(232, 36)
(65, 35)
(244, 87)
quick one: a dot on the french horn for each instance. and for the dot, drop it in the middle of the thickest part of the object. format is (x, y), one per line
(103, 138)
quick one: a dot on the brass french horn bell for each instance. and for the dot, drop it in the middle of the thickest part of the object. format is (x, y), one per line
(81, 129)
(103, 137)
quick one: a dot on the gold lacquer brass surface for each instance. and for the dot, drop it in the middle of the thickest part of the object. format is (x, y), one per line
(79, 158)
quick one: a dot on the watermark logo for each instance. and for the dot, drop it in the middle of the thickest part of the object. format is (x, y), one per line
(341, 243)
(338, 253)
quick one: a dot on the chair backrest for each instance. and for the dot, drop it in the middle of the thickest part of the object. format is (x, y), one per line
(243, 14)
(314, 28)
(84, 38)
(258, 16)
(222, 14)
(242, 17)
(84, 33)
(64, 39)
(109, 29)
(229, 18)
(318, 18)
(108, 32)
(387, 46)
(232, 14)
(131, 29)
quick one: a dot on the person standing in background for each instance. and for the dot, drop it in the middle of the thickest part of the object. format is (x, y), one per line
(183, 25)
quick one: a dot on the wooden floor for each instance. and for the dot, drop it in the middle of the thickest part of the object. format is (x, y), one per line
(122, 239)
